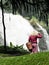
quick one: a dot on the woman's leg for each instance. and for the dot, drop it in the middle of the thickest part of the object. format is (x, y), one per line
(34, 48)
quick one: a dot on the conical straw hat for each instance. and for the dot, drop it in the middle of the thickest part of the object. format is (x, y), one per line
(34, 33)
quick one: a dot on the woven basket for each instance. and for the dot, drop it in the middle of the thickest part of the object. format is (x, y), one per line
(29, 45)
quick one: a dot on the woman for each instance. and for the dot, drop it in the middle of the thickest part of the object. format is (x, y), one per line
(33, 39)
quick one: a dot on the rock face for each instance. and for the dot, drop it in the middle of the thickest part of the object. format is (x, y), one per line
(44, 42)
(18, 29)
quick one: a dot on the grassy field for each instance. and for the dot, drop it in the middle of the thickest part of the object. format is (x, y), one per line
(29, 59)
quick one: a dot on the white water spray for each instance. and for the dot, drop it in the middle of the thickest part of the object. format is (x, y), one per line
(18, 29)
(46, 36)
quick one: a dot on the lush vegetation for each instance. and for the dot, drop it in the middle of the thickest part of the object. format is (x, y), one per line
(14, 50)
(37, 8)
(29, 59)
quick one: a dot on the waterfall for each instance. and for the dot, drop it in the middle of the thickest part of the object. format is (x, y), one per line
(46, 36)
(18, 29)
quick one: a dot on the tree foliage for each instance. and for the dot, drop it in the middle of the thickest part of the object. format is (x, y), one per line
(37, 8)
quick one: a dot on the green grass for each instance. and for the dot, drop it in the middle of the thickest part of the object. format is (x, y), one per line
(29, 59)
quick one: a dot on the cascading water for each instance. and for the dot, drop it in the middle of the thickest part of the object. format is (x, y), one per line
(46, 36)
(18, 29)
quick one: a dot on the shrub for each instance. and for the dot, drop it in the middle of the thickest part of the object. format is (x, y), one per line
(16, 50)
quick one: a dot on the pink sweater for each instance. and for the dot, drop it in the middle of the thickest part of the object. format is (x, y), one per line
(33, 38)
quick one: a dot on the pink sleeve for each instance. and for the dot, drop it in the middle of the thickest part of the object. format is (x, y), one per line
(39, 35)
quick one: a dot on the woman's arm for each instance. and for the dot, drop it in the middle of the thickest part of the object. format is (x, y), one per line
(39, 35)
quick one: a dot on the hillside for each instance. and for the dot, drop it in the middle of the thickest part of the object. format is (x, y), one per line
(41, 58)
